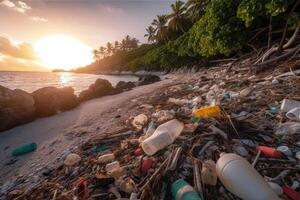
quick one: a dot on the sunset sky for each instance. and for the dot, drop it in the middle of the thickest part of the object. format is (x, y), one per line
(33, 33)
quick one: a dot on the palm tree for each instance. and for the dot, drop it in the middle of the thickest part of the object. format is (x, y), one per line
(150, 34)
(196, 8)
(116, 47)
(134, 43)
(178, 16)
(123, 45)
(109, 48)
(102, 52)
(96, 54)
(161, 28)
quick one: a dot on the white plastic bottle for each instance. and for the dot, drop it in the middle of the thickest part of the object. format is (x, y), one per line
(240, 178)
(164, 135)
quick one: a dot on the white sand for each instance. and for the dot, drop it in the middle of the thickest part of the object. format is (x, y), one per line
(57, 133)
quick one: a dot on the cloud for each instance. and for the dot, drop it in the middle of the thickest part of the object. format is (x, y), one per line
(38, 19)
(19, 6)
(23, 50)
(8, 63)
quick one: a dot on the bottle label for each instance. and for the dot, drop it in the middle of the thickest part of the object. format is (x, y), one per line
(183, 191)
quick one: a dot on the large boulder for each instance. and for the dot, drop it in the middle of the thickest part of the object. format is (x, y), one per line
(100, 88)
(51, 100)
(16, 107)
(122, 85)
(148, 79)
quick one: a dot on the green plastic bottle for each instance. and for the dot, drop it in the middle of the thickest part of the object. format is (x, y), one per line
(182, 190)
(26, 148)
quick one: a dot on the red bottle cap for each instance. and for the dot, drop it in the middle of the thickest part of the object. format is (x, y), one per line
(146, 165)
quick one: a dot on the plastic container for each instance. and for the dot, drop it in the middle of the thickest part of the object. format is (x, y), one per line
(240, 178)
(294, 114)
(288, 105)
(26, 148)
(181, 190)
(208, 111)
(163, 136)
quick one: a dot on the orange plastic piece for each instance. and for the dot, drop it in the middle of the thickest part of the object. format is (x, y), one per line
(208, 111)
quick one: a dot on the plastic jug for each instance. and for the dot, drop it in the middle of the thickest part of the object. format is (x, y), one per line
(181, 190)
(240, 178)
(164, 135)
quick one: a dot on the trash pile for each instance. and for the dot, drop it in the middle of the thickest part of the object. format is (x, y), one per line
(209, 137)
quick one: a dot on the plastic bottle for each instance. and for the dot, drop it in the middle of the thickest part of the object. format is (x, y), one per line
(27, 148)
(164, 135)
(181, 190)
(240, 178)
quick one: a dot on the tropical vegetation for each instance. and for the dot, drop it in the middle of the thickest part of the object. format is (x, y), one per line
(200, 30)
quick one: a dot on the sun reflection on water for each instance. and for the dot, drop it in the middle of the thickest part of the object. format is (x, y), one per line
(65, 78)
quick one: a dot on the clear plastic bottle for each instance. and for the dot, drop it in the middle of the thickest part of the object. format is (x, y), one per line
(163, 136)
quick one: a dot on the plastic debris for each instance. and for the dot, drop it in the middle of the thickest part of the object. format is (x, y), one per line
(240, 178)
(72, 159)
(163, 136)
(24, 149)
(181, 190)
(209, 111)
(139, 121)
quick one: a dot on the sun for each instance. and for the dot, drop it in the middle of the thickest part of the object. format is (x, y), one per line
(62, 52)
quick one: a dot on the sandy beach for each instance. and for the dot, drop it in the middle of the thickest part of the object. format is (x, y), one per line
(58, 134)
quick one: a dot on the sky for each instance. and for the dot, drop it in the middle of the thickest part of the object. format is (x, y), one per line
(86, 23)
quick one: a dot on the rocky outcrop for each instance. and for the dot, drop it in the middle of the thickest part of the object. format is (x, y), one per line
(122, 85)
(145, 80)
(16, 107)
(51, 100)
(100, 88)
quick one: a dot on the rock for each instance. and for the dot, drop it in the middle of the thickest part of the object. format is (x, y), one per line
(100, 88)
(122, 85)
(72, 159)
(51, 100)
(145, 80)
(16, 107)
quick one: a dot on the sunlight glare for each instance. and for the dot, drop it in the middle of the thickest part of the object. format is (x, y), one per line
(62, 52)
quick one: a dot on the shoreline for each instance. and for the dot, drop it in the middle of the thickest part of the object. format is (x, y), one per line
(55, 133)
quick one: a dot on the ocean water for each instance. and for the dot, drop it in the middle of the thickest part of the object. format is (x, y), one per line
(31, 81)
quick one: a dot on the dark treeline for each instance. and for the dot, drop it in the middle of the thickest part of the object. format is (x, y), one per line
(200, 30)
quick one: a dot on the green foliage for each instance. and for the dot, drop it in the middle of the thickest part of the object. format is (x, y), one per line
(249, 10)
(219, 31)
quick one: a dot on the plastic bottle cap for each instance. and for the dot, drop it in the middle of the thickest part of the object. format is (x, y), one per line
(181, 190)
(285, 150)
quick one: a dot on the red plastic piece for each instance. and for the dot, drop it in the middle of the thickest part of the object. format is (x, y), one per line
(146, 165)
(139, 151)
(269, 151)
(82, 188)
(292, 194)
